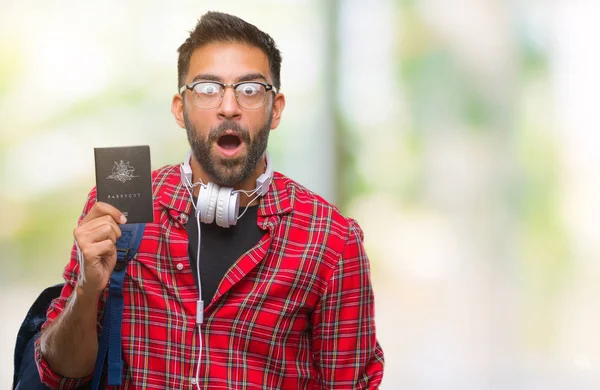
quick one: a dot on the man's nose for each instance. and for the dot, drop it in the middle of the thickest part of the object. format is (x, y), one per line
(229, 107)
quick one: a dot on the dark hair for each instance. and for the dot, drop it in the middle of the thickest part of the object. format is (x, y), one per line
(222, 27)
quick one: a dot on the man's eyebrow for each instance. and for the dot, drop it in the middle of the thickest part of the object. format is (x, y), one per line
(208, 77)
(245, 77)
(251, 77)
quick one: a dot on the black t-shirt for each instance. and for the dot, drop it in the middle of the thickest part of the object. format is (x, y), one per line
(220, 247)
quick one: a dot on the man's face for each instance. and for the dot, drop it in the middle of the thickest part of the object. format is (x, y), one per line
(228, 141)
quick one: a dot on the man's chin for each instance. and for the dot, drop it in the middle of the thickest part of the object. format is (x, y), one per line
(228, 179)
(229, 163)
(228, 172)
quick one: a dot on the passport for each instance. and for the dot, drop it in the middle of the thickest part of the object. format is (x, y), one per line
(123, 180)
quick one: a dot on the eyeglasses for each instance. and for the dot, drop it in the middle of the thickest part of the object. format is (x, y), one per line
(250, 95)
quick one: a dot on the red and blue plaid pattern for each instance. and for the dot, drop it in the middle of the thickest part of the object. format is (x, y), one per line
(294, 312)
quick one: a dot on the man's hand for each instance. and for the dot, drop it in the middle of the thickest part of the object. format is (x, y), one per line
(96, 237)
(70, 343)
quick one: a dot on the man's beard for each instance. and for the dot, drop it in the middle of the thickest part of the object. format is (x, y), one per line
(230, 171)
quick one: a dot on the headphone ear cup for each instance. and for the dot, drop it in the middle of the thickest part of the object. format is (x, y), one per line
(207, 202)
(228, 206)
(222, 211)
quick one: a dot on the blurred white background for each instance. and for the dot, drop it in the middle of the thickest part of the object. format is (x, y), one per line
(461, 135)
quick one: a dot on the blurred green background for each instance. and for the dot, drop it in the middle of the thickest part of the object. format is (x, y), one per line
(459, 134)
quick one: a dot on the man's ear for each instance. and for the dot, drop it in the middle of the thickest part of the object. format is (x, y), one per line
(278, 106)
(177, 110)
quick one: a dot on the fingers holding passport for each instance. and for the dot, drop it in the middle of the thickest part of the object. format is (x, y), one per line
(96, 236)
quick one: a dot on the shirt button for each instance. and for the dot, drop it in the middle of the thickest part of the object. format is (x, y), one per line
(193, 381)
(179, 266)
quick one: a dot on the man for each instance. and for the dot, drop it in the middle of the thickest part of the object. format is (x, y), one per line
(286, 290)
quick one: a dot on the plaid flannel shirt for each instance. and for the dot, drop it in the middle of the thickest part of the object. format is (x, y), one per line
(294, 312)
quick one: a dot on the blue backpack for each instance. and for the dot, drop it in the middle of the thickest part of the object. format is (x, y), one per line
(26, 376)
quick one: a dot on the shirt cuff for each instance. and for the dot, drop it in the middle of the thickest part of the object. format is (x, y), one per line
(50, 378)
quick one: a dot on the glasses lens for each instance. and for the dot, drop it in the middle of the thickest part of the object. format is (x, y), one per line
(207, 95)
(250, 95)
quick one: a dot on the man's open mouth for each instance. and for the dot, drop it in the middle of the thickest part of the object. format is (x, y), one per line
(229, 141)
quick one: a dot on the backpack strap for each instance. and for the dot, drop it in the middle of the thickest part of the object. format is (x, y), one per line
(110, 341)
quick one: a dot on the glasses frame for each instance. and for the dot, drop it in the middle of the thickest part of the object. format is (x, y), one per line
(190, 86)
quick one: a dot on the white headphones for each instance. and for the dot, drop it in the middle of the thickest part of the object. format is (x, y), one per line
(222, 203)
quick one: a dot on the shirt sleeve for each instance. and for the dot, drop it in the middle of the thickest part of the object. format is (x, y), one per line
(71, 273)
(345, 349)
